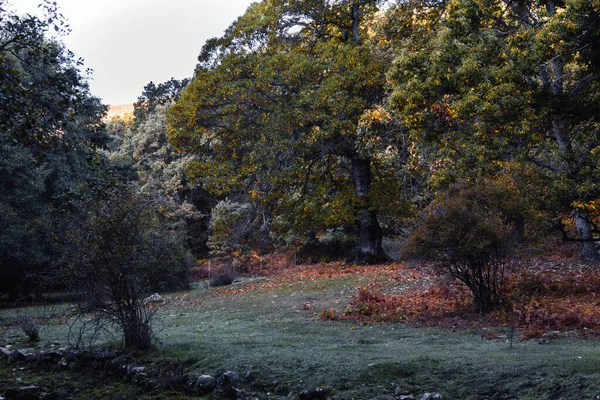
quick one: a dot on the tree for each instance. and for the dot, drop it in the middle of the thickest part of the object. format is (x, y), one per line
(274, 110)
(143, 154)
(493, 83)
(25, 239)
(157, 95)
(49, 129)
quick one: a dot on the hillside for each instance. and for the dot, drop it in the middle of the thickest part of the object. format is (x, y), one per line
(119, 110)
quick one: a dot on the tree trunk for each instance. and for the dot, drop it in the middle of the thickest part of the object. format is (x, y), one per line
(552, 76)
(583, 223)
(369, 247)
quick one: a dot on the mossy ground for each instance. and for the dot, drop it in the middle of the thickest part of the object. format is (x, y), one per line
(273, 330)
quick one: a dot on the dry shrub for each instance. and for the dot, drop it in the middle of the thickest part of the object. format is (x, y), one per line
(556, 299)
(329, 314)
(199, 273)
(30, 327)
(428, 307)
(373, 304)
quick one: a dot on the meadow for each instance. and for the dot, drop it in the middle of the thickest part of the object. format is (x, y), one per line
(285, 332)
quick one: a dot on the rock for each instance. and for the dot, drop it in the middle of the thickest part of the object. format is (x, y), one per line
(20, 355)
(118, 364)
(54, 396)
(103, 355)
(73, 355)
(321, 393)
(149, 384)
(203, 384)
(51, 356)
(131, 370)
(6, 351)
(432, 396)
(139, 378)
(399, 394)
(232, 393)
(63, 363)
(23, 393)
(227, 379)
(155, 298)
(260, 382)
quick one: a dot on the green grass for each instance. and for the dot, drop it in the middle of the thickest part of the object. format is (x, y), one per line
(272, 334)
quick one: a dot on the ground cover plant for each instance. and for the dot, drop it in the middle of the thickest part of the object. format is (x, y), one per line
(374, 332)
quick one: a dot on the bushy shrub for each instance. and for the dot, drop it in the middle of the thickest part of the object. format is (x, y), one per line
(230, 225)
(222, 278)
(471, 237)
(237, 227)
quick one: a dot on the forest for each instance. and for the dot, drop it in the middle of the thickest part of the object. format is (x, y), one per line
(448, 150)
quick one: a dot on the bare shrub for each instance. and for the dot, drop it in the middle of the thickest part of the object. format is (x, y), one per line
(29, 327)
(199, 273)
(124, 251)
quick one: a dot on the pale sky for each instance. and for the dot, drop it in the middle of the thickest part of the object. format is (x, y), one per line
(129, 43)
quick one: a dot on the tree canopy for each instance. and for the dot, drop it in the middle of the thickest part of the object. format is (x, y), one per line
(275, 111)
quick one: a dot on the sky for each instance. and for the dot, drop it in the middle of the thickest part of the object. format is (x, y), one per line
(129, 43)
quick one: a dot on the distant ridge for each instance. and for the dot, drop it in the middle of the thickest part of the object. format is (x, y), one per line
(119, 111)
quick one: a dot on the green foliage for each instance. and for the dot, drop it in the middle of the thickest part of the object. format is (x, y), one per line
(49, 129)
(487, 84)
(24, 216)
(144, 158)
(44, 97)
(273, 113)
(154, 96)
(235, 227)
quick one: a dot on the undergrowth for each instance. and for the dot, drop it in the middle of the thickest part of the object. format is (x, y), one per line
(542, 295)
(545, 296)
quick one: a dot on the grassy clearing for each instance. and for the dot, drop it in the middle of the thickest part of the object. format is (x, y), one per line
(274, 327)
(271, 327)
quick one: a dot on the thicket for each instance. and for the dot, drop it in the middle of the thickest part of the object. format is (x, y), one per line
(325, 115)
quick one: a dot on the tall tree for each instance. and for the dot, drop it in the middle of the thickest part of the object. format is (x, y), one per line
(49, 126)
(492, 83)
(274, 110)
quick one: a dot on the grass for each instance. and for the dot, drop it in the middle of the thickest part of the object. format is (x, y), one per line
(271, 332)
(270, 328)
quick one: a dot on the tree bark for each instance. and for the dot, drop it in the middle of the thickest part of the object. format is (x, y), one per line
(583, 223)
(369, 247)
(552, 76)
